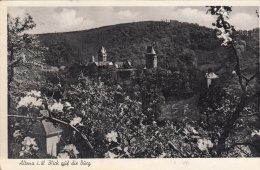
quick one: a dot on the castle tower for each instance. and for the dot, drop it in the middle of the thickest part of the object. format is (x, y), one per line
(102, 54)
(151, 58)
(93, 59)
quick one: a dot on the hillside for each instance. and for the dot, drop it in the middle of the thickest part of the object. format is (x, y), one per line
(129, 41)
(175, 40)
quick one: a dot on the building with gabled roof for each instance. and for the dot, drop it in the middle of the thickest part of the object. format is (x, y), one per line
(47, 135)
(210, 75)
(119, 64)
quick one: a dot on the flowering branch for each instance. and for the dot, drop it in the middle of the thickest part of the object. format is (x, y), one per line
(83, 135)
(225, 32)
(62, 122)
(175, 149)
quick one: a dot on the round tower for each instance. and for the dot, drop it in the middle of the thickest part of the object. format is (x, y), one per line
(151, 58)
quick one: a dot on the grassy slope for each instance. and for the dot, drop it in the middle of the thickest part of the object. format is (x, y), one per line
(180, 110)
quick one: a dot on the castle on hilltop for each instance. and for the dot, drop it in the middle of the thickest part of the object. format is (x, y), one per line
(101, 60)
(99, 66)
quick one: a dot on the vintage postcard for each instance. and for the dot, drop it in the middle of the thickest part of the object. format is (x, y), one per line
(130, 85)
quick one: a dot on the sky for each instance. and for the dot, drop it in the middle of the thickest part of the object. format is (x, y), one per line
(65, 19)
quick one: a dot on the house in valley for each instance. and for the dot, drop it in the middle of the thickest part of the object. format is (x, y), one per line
(210, 75)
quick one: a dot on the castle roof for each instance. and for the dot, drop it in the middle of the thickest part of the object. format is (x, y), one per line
(129, 63)
(103, 50)
(150, 50)
(50, 129)
(45, 129)
(211, 75)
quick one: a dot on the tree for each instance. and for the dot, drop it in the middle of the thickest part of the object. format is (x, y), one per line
(24, 55)
(248, 90)
(23, 48)
(103, 121)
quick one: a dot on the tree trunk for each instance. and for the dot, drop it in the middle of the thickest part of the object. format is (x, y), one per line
(230, 125)
(10, 78)
(11, 73)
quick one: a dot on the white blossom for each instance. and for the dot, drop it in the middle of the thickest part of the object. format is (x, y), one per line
(112, 136)
(255, 132)
(56, 107)
(34, 93)
(223, 12)
(162, 155)
(75, 121)
(204, 144)
(29, 101)
(29, 141)
(110, 155)
(17, 133)
(29, 144)
(64, 155)
(83, 112)
(127, 98)
(68, 105)
(126, 151)
(71, 148)
(222, 34)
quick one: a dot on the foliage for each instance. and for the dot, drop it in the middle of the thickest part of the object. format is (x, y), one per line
(69, 151)
(113, 123)
(29, 147)
(25, 57)
(107, 118)
(228, 113)
(187, 50)
(168, 38)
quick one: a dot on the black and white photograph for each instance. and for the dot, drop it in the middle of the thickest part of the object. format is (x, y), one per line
(127, 82)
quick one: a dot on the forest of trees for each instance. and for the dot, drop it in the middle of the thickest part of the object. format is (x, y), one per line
(104, 119)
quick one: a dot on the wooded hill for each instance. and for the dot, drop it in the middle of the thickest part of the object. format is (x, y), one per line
(178, 42)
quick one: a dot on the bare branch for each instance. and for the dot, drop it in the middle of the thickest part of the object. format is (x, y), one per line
(238, 67)
(15, 62)
(237, 144)
(251, 78)
(254, 76)
(174, 148)
(244, 77)
(257, 14)
(242, 150)
(25, 117)
(83, 135)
